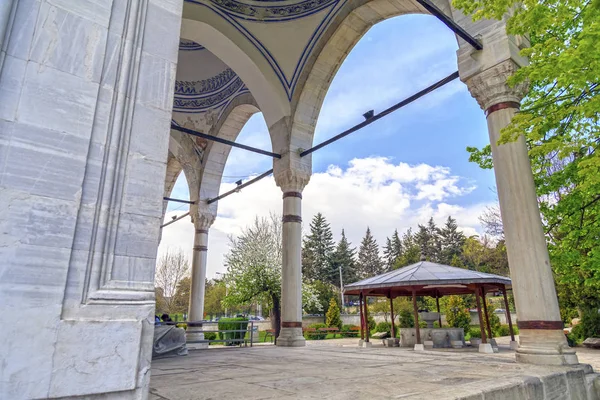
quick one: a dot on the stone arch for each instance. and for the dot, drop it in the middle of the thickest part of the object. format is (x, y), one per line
(333, 48)
(233, 119)
(271, 98)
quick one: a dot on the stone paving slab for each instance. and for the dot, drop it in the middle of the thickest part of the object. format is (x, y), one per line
(338, 369)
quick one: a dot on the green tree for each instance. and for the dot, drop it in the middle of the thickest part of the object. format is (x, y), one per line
(317, 252)
(254, 267)
(171, 268)
(344, 257)
(429, 241)
(457, 313)
(451, 240)
(369, 263)
(559, 119)
(392, 250)
(214, 295)
(181, 298)
(333, 318)
(411, 252)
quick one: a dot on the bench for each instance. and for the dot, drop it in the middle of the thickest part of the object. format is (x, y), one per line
(270, 333)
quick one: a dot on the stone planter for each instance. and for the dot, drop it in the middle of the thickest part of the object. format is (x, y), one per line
(475, 341)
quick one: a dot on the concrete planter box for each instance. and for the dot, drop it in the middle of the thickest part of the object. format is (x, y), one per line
(475, 341)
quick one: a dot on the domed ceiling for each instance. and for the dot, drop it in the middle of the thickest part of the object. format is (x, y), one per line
(204, 87)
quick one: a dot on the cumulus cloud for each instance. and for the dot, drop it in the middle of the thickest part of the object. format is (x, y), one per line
(374, 192)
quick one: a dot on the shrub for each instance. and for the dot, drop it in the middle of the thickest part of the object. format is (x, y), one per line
(210, 336)
(590, 323)
(316, 335)
(350, 331)
(229, 324)
(422, 324)
(457, 314)
(406, 319)
(383, 327)
(504, 330)
(333, 318)
(475, 332)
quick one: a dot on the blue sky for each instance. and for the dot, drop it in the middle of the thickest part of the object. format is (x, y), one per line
(395, 59)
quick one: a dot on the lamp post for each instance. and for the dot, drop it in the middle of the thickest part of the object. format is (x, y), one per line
(341, 287)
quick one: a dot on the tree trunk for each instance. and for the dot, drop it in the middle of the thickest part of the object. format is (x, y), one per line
(276, 316)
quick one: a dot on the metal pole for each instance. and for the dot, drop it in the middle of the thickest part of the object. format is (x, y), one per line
(178, 200)
(382, 114)
(341, 287)
(240, 187)
(175, 220)
(224, 141)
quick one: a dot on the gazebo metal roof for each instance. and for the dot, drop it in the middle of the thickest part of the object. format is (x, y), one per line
(427, 279)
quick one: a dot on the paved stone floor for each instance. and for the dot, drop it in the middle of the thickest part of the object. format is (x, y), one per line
(338, 369)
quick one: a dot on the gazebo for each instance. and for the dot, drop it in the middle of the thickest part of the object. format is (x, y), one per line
(426, 278)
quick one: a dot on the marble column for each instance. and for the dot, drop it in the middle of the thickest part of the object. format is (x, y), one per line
(202, 223)
(541, 336)
(291, 183)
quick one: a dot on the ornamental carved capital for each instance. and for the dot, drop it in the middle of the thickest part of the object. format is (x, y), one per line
(490, 87)
(290, 180)
(202, 219)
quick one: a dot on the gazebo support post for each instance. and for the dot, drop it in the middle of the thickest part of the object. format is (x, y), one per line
(366, 317)
(392, 315)
(437, 303)
(487, 316)
(513, 343)
(484, 347)
(419, 345)
(362, 317)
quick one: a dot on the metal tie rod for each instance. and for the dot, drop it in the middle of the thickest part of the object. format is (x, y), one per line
(382, 114)
(439, 14)
(243, 185)
(178, 200)
(224, 141)
(176, 219)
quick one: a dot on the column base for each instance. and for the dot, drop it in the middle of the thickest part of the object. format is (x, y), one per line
(514, 345)
(545, 347)
(367, 344)
(291, 337)
(419, 347)
(486, 348)
(192, 336)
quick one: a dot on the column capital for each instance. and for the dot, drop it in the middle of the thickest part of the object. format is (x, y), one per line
(490, 87)
(202, 219)
(291, 180)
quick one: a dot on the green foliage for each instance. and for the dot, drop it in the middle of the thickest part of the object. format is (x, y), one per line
(369, 264)
(475, 332)
(560, 121)
(210, 336)
(493, 318)
(589, 326)
(316, 335)
(422, 324)
(317, 252)
(228, 324)
(371, 322)
(504, 330)
(333, 318)
(392, 250)
(350, 331)
(344, 256)
(406, 319)
(384, 327)
(457, 314)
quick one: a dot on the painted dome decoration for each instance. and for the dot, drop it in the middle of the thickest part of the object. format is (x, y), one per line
(204, 83)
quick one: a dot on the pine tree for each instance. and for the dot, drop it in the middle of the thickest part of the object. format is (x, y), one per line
(396, 245)
(411, 252)
(344, 257)
(428, 239)
(317, 251)
(369, 263)
(452, 241)
(388, 254)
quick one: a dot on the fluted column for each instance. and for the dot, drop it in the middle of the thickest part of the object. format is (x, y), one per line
(291, 183)
(541, 336)
(202, 222)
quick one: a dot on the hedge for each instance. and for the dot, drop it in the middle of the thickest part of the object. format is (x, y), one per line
(229, 324)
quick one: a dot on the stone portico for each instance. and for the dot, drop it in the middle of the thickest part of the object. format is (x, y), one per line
(88, 93)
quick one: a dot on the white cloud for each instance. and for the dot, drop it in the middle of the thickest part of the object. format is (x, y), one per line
(373, 191)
